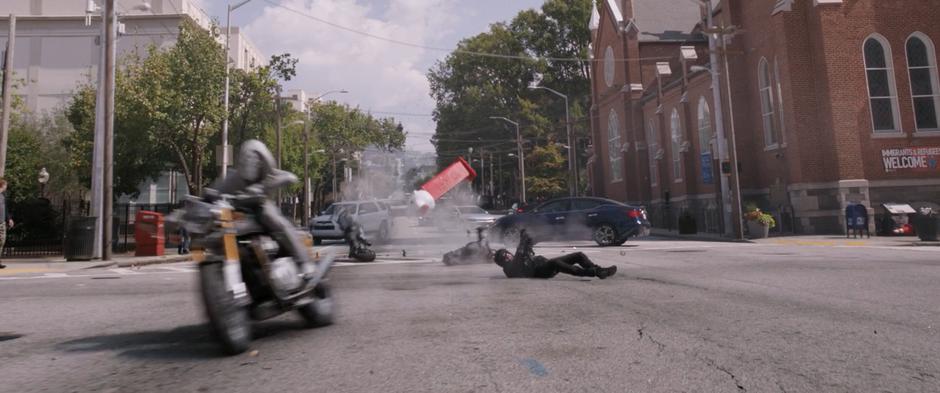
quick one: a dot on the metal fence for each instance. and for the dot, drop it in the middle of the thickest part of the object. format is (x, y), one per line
(37, 239)
(26, 241)
(40, 226)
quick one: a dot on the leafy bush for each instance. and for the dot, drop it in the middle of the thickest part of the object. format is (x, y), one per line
(754, 214)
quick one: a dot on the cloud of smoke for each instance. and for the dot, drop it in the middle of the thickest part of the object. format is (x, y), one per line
(392, 177)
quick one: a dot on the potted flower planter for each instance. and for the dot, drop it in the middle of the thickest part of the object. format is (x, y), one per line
(757, 230)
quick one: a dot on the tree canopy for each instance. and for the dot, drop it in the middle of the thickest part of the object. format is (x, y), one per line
(169, 114)
(470, 88)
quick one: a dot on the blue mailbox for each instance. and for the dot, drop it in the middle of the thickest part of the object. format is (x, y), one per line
(856, 220)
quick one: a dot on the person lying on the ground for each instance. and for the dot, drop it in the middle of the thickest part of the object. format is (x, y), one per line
(525, 264)
(474, 252)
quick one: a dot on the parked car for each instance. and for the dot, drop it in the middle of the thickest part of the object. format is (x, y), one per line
(371, 215)
(607, 222)
(475, 215)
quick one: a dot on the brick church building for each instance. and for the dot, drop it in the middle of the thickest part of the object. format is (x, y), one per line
(831, 102)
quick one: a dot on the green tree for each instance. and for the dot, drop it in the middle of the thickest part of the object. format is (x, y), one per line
(167, 112)
(469, 88)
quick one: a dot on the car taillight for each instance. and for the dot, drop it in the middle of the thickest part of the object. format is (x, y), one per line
(519, 210)
(634, 213)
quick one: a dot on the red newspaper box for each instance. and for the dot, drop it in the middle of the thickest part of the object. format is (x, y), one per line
(148, 234)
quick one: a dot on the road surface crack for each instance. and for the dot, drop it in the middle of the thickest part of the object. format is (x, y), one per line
(642, 332)
(718, 367)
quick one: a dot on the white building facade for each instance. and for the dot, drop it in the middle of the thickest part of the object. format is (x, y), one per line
(56, 52)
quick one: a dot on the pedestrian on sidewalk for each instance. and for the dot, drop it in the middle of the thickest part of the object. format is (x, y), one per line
(183, 247)
(6, 220)
(525, 264)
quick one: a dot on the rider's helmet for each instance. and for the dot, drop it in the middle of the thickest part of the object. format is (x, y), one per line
(503, 257)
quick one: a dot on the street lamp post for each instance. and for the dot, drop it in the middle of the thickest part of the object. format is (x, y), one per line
(307, 117)
(228, 71)
(520, 154)
(43, 179)
(572, 155)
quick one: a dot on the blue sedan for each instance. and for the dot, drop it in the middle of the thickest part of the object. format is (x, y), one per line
(607, 222)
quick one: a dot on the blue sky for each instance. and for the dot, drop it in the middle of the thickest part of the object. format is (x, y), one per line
(379, 75)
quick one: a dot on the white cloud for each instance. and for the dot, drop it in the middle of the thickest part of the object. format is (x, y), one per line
(379, 75)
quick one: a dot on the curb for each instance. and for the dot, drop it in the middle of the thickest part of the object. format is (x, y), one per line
(673, 235)
(142, 262)
(155, 260)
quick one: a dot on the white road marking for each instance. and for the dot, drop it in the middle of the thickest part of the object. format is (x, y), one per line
(123, 271)
(178, 269)
(384, 263)
(55, 275)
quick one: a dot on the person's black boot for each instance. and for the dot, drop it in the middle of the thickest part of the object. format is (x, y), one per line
(604, 272)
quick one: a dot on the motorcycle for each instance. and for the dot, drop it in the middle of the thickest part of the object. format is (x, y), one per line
(352, 234)
(359, 246)
(245, 276)
(472, 253)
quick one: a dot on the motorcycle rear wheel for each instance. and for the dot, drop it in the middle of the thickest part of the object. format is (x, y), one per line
(364, 255)
(229, 321)
(321, 310)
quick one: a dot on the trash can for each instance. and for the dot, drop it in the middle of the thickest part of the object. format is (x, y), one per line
(149, 235)
(79, 241)
(687, 225)
(926, 225)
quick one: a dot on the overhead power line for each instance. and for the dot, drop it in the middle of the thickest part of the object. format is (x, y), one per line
(400, 113)
(440, 49)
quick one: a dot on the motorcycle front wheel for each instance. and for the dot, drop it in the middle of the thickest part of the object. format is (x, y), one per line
(229, 321)
(321, 310)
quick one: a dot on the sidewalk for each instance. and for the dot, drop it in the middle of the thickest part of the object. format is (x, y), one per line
(806, 240)
(58, 264)
(701, 237)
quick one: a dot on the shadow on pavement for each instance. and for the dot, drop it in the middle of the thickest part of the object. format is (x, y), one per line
(185, 342)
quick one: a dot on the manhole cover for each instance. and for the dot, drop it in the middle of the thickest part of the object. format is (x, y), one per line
(6, 336)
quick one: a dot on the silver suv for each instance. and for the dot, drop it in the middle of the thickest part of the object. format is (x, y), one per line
(373, 216)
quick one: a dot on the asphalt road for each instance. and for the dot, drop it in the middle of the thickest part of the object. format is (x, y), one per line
(679, 317)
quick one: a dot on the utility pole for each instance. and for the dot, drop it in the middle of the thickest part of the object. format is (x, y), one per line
(492, 192)
(333, 190)
(306, 211)
(97, 160)
(482, 174)
(735, 175)
(729, 195)
(277, 134)
(7, 94)
(521, 162)
(110, 22)
(499, 182)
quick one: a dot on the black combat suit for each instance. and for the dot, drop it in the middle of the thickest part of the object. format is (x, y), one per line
(525, 264)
